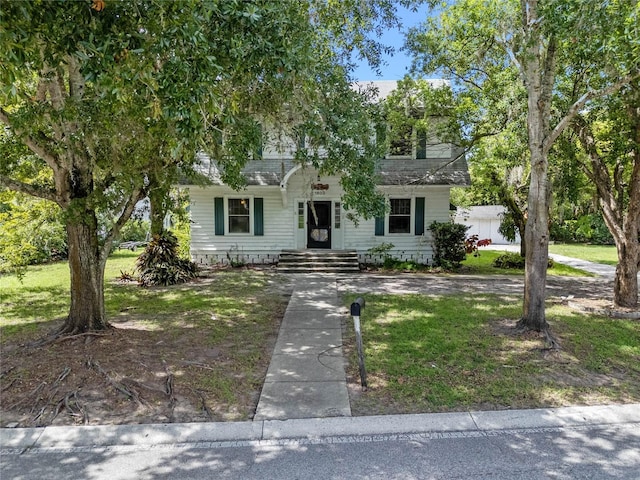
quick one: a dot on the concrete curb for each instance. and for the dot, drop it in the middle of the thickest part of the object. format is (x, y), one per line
(185, 433)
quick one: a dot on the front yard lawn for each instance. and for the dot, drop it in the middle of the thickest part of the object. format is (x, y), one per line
(191, 352)
(459, 352)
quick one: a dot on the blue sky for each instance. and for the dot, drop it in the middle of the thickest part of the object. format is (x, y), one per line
(397, 65)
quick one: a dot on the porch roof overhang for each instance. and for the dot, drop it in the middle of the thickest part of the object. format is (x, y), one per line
(389, 171)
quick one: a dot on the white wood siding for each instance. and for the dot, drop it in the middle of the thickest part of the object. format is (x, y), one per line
(207, 247)
(407, 246)
(281, 222)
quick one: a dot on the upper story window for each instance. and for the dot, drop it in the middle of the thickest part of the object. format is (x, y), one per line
(418, 144)
(300, 138)
(401, 142)
(400, 215)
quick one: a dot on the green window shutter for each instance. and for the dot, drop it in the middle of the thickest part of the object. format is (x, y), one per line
(379, 226)
(259, 150)
(421, 145)
(381, 135)
(258, 216)
(419, 216)
(218, 213)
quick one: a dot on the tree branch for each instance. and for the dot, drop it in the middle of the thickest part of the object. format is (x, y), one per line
(599, 175)
(129, 205)
(55, 87)
(582, 101)
(29, 189)
(30, 142)
(76, 80)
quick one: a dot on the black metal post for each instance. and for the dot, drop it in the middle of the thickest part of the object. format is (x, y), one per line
(356, 309)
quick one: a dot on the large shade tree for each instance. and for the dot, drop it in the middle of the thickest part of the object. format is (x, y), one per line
(105, 101)
(475, 42)
(605, 141)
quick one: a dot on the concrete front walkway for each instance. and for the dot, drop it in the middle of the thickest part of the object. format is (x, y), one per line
(306, 377)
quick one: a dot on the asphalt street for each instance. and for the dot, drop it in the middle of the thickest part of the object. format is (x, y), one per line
(559, 453)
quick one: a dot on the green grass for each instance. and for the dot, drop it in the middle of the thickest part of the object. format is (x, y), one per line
(606, 254)
(456, 352)
(43, 294)
(483, 265)
(215, 334)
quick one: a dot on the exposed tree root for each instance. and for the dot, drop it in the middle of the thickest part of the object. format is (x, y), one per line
(168, 388)
(62, 376)
(72, 331)
(7, 387)
(45, 408)
(65, 404)
(60, 336)
(119, 386)
(35, 392)
(203, 403)
(4, 374)
(550, 340)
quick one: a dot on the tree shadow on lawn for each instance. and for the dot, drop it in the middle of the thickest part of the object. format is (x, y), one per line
(186, 353)
(461, 352)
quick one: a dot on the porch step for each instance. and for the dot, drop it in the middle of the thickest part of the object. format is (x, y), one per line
(318, 261)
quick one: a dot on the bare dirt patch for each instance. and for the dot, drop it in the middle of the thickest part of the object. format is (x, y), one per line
(169, 368)
(603, 306)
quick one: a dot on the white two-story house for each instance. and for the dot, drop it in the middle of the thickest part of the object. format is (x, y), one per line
(286, 205)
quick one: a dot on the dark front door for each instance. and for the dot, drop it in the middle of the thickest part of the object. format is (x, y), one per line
(319, 224)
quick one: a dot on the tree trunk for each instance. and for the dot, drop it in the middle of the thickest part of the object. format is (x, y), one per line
(87, 311)
(158, 210)
(613, 193)
(538, 71)
(625, 287)
(537, 248)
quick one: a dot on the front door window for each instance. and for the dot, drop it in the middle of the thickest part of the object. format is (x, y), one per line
(319, 224)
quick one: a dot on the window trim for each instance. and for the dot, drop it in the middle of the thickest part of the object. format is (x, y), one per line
(411, 216)
(227, 214)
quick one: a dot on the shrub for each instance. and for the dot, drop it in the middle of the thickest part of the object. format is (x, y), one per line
(160, 264)
(32, 231)
(448, 244)
(514, 261)
(509, 261)
(586, 229)
(472, 243)
(381, 254)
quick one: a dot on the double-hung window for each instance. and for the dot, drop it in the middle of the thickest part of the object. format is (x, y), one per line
(239, 214)
(401, 144)
(400, 215)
